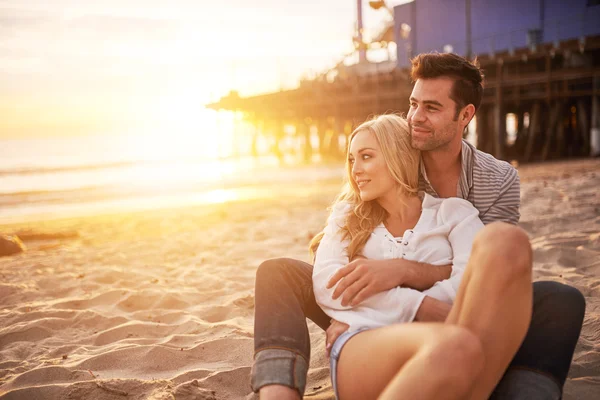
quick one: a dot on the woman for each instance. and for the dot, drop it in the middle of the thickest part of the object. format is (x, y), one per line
(382, 215)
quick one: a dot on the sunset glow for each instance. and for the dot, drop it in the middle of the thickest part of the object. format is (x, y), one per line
(75, 68)
(102, 102)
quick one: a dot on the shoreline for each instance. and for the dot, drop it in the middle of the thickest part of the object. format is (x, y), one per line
(231, 194)
(176, 185)
(210, 198)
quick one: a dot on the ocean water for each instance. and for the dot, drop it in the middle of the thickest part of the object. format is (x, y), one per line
(54, 177)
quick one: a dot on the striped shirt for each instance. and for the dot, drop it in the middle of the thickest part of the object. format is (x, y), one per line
(491, 185)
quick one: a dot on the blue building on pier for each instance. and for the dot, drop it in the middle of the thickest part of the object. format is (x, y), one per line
(488, 27)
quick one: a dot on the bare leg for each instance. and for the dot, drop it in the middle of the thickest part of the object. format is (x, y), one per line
(495, 299)
(435, 361)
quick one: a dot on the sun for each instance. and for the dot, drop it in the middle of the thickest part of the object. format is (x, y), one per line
(181, 143)
(178, 126)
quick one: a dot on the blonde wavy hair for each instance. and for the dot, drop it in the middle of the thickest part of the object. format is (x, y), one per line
(393, 135)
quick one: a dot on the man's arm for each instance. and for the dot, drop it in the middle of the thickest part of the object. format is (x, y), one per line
(406, 273)
(432, 310)
(422, 276)
(506, 206)
(363, 278)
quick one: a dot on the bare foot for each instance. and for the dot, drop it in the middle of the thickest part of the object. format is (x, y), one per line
(278, 392)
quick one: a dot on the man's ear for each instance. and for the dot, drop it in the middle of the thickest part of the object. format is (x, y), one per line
(467, 114)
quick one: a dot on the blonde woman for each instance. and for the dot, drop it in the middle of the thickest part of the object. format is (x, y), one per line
(382, 215)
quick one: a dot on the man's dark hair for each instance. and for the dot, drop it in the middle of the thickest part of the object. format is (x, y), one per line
(468, 77)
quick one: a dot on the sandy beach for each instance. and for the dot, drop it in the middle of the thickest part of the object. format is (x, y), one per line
(159, 304)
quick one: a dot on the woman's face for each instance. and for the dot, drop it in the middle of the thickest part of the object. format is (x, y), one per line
(369, 170)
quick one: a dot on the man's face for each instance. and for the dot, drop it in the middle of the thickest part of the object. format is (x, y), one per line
(431, 115)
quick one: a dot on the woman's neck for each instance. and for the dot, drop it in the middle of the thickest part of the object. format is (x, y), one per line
(400, 206)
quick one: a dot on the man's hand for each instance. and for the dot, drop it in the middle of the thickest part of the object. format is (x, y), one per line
(432, 310)
(333, 332)
(363, 278)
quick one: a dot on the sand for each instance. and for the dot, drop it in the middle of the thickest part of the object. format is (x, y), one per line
(159, 304)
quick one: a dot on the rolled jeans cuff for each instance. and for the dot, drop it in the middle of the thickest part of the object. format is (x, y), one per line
(279, 367)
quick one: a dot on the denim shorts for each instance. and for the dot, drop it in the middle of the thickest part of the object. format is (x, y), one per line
(334, 355)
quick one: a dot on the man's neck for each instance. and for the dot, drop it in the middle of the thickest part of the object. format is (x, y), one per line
(443, 168)
(443, 162)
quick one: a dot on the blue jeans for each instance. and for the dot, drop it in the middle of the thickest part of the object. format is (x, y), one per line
(284, 298)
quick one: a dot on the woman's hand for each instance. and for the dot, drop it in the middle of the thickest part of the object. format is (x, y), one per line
(333, 332)
(363, 278)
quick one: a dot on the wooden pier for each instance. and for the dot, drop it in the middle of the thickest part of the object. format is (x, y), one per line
(552, 92)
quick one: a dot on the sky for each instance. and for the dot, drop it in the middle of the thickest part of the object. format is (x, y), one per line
(70, 67)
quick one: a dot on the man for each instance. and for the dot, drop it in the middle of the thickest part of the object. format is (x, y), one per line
(447, 92)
